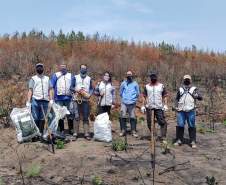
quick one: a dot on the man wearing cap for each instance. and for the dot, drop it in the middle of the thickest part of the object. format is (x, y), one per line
(129, 93)
(155, 99)
(185, 106)
(61, 84)
(38, 96)
(83, 91)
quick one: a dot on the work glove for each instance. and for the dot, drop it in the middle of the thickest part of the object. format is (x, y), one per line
(165, 108)
(28, 105)
(51, 103)
(101, 93)
(143, 109)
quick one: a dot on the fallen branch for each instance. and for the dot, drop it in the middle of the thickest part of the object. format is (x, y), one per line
(173, 168)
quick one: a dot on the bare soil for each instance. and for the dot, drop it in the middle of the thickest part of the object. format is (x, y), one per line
(80, 161)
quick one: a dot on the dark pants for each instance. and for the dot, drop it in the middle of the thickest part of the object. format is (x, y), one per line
(103, 109)
(159, 114)
(66, 103)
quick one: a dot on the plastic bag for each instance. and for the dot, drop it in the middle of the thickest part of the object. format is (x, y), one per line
(56, 113)
(24, 123)
(73, 109)
(102, 128)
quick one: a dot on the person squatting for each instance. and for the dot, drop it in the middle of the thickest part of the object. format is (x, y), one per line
(74, 91)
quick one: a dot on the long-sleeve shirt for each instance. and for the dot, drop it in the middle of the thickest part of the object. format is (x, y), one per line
(129, 92)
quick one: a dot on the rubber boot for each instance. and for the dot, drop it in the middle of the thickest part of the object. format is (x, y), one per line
(61, 125)
(123, 126)
(86, 130)
(163, 131)
(41, 126)
(70, 126)
(133, 124)
(192, 135)
(179, 135)
(37, 124)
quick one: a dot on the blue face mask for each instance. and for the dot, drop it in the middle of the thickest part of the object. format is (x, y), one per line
(83, 71)
(64, 71)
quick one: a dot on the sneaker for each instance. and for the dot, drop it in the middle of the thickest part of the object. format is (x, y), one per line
(87, 137)
(134, 134)
(164, 141)
(74, 137)
(122, 134)
(178, 143)
(193, 145)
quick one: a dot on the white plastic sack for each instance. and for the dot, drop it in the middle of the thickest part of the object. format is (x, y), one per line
(102, 128)
(24, 123)
(57, 112)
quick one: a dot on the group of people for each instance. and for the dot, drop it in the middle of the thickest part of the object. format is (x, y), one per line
(74, 92)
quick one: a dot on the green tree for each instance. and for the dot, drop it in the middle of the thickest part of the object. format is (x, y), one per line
(61, 39)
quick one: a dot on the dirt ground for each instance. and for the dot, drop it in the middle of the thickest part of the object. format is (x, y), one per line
(80, 161)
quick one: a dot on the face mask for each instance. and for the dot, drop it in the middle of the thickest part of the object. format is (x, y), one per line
(40, 70)
(153, 80)
(63, 71)
(106, 78)
(129, 78)
(187, 82)
(83, 71)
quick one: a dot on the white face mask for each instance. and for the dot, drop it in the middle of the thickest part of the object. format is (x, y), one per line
(106, 78)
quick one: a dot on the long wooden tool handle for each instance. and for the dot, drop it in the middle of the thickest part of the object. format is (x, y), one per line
(47, 126)
(153, 144)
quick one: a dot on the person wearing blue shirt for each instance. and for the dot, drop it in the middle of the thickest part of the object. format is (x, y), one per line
(61, 84)
(129, 93)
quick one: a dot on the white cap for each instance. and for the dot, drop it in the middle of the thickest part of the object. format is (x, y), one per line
(39, 64)
(187, 77)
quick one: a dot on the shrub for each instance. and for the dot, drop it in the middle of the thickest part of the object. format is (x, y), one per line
(119, 145)
(33, 171)
(59, 144)
(211, 180)
(96, 180)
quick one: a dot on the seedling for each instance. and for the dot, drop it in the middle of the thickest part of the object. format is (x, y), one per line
(211, 180)
(1, 181)
(96, 180)
(33, 171)
(141, 120)
(210, 130)
(201, 130)
(165, 147)
(119, 145)
(59, 144)
(224, 122)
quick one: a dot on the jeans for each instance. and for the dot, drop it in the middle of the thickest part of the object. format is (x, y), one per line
(37, 108)
(128, 108)
(84, 110)
(183, 117)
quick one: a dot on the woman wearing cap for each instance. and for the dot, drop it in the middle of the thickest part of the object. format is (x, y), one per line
(38, 96)
(106, 93)
(185, 106)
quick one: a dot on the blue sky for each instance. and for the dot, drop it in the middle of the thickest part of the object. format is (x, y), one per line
(184, 22)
